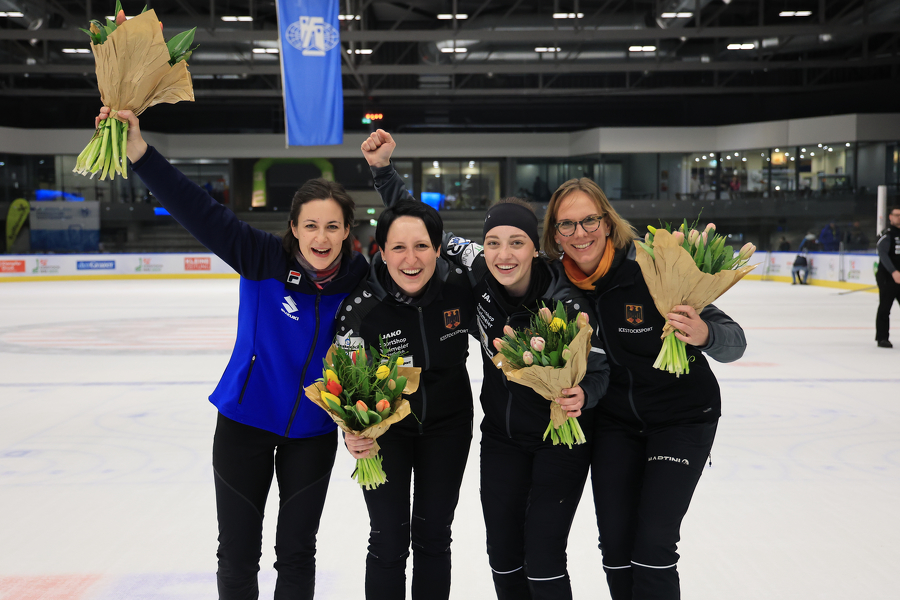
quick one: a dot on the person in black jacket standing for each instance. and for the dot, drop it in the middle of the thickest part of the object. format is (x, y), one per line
(888, 278)
(417, 304)
(529, 488)
(653, 431)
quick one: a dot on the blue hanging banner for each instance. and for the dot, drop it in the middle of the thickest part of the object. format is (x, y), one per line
(311, 72)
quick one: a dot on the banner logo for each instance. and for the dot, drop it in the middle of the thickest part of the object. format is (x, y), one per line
(451, 318)
(92, 265)
(12, 266)
(634, 313)
(312, 36)
(196, 263)
(293, 277)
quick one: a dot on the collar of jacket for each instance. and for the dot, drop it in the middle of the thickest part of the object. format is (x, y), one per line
(623, 272)
(351, 271)
(381, 284)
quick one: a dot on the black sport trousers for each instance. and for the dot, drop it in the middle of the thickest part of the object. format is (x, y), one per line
(244, 460)
(643, 484)
(438, 461)
(529, 494)
(888, 293)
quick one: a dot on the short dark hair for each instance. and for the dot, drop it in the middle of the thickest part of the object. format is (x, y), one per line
(410, 208)
(319, 189)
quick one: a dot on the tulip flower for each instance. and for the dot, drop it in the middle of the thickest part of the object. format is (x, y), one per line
(537, 343)
(353, 357)
(694, 237)
(334, 387)
(528, 358)
(651, 229)
(647, 238)
(399, 361)
(566, 354)
(392, 385)
(331, 375)
(710, 226)
(361, 406)
(704, 236)
(498, 344)
(679, 237)
(582, 320)
(747, 251)
(556, 324)
(382, 408)
(507, 330)
(546, 315)
(382, 372)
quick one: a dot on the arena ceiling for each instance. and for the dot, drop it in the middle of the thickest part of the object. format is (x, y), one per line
(508, 65)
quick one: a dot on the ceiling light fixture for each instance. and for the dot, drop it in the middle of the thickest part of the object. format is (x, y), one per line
(234, 19)
(349, 17)
(452, 50)
(568, 15)
(12, 15)
(458, 17)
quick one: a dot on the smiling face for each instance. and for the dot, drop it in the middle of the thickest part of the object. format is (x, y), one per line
(508, 252)
(409, 255)
(585, 248)
(320, 231)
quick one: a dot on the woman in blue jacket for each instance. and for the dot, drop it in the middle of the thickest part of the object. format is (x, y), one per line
(290, 290)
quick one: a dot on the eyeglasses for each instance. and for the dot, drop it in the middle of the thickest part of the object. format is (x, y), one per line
(589, 224)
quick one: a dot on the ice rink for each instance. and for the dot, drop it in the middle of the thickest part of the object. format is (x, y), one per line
(106, 489)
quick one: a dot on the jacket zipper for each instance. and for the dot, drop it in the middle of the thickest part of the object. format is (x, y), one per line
(422, 387)
(247, 380)
(627, 370)
(312, 349)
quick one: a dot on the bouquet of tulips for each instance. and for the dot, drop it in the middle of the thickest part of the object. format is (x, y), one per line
(550, 356)
(363, 395)
(136, 68)
(688, 267)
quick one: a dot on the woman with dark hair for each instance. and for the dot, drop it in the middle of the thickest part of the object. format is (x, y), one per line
(417, 304)
(290, 289)
(529, 488)
(653, 432)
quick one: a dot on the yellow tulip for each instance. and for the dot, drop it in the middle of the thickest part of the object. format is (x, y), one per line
(556, 324)
(331, 375)
(399, 361)
(382, 372)
(332, 397)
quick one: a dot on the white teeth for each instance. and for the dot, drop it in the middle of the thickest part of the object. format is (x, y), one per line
(506, 267)
(582, 247)
(412, 271)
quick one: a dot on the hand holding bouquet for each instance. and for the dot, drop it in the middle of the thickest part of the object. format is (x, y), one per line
(549, 357)
(687, 267)
(363, 395)
(136, 68)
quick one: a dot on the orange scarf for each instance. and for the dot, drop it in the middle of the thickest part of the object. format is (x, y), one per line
(586, 282)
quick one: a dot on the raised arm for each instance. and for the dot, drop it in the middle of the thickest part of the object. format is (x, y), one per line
(253, 253)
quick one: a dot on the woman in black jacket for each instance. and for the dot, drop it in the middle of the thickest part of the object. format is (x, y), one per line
(417, 304)
(529, 488)
(653, 431)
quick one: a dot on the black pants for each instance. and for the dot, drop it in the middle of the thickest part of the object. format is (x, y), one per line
(888, 293)
(529, 494)
(643, 484)
(244, 459)
(438, 460)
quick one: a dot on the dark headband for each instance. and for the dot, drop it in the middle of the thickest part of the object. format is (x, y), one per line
(513, 215)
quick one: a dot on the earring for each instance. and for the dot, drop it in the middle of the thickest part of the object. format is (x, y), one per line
(607, 234)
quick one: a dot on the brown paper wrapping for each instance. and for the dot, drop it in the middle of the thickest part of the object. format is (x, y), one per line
(549, 382)
(133, 70)
(673, 278)
(372, 432)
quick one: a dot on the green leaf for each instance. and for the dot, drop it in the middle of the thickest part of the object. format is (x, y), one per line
(340, 411)
(179, 44)
(647, 249)
(374, 417)
(118, 8)
(145, 9)
(707, 263)
(554, 358)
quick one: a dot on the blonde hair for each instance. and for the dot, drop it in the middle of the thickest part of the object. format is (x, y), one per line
(621, 232)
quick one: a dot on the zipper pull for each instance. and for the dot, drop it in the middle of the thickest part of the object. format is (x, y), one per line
(710, 459)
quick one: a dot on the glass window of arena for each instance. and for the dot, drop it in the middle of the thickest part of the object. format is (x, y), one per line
(536, 179)
(460, 184)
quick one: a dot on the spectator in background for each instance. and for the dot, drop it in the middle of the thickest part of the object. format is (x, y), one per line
(373, 247)
(734, 188)
(801, 265)
(784, 245)
(856, 239)
(695, 187)
(830, 238)
(809, 243)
